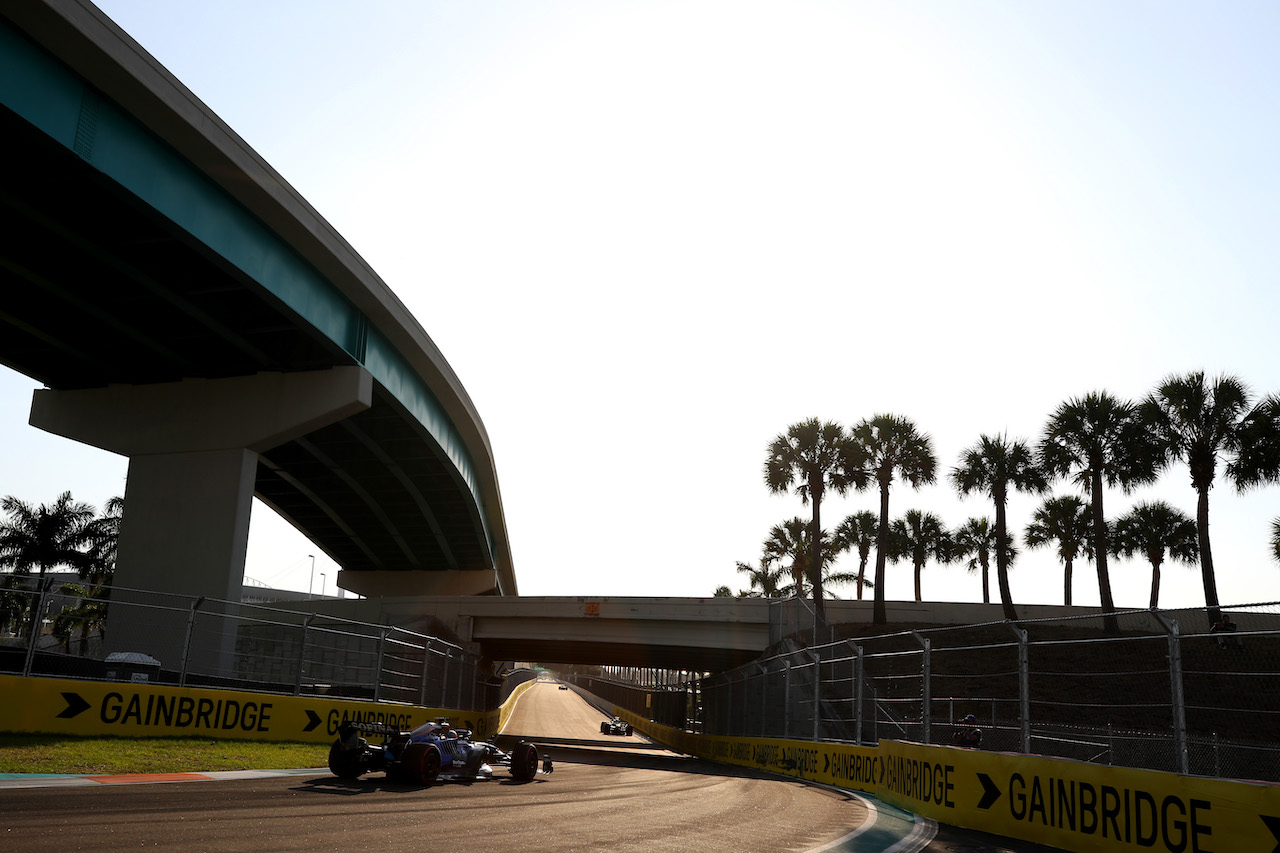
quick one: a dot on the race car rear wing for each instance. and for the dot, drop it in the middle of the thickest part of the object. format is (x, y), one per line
(372, 728)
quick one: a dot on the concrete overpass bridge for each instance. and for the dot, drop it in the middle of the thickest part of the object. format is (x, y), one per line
(695, 634)
(185, 307)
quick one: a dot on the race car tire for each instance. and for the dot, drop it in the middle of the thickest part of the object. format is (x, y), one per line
(344, 763)
(604, 728)
(524, 762)
(627, 731)
(420, 763)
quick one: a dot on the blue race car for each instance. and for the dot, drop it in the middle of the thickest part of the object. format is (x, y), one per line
(433, 752)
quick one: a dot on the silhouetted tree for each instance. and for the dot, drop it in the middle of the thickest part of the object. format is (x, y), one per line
(994, 466)
(888, 447)
(812, 456)
(1199, 420)
(1066, 520)
(1153, 529)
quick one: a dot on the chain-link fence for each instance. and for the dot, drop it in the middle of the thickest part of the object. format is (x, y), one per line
(1162, 690)
(113, 633)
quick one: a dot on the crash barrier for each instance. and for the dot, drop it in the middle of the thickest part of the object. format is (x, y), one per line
(60, 629)
(144, 709)
(1155, 689)
(509, 704)
(35, 705)
(1058, 802)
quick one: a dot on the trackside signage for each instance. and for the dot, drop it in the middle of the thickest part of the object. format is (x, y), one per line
(140, 709)
(1066, 804)
(842, 765)
(1078, 806)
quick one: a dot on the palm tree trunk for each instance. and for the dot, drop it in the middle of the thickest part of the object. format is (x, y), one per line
(1206, 557)
(986, 579)
(918, 566)
(815, 563)
(862, 574)
(1109, 622)
(1002, 564)
(1066, 581)
(1155, 584)
(879, 616)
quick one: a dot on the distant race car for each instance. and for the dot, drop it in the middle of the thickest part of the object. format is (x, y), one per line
(433, 752)
(564, 686)
(615, 727)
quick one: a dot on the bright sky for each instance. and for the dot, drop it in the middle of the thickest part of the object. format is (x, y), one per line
(649, 236)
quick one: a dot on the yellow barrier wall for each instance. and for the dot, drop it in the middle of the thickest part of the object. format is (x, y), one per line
(504, 711)
(843, 765)
(1079, 806)
(141, 709)
(1067, 804)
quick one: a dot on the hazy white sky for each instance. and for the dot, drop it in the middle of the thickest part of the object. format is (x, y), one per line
(649, 236)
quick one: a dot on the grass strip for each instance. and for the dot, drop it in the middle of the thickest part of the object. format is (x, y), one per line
(30, 753)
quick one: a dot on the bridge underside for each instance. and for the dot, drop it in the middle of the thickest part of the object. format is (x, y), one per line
(103, 294)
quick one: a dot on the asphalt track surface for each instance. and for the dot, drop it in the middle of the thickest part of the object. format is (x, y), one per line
(607, 794)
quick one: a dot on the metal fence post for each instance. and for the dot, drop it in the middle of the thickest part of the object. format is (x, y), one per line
(1175, 691)
(36, 618)
(377, 669)
(926, 688)
(786, 701)
(475, 682)
(817, 691)
(857, 694)
(302, 654)
(1024, 687)
(457, 702)
(426, 667)
(764, 700)
(186, 642)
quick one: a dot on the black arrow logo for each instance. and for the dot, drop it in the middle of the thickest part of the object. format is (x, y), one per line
(75, 705)
(990, 793)
(1273, 824)
(313, 720)
(826, 762)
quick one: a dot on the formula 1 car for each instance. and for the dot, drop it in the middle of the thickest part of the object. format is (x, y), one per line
(615, 727)
(433, 752)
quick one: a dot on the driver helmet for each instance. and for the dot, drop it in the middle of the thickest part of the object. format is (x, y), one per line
(451, 733)
(971, 719)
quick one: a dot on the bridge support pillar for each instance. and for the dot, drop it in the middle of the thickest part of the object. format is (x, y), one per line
(193, 454)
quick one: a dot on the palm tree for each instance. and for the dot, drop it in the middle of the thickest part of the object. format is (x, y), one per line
(1198, 420)
(1275, 539)
(789, 547)
(887, 447)
(765, 580)
(89, 615)
(44, 537)
(858, 531)
(722, 591)
(1098, 440)
(102, 535)
(1068, 522)
(919, 536)
(812, 456)
(1154, 528)
(976, 540)
(992, 466)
